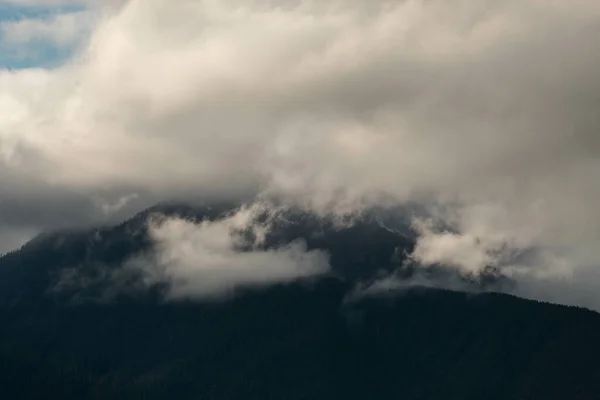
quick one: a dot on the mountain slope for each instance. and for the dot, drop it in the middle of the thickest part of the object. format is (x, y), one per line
(306, 340)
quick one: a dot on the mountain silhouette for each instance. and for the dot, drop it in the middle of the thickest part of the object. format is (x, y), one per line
(310, 339)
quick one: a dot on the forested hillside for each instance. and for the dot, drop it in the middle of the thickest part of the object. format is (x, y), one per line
(304, 340)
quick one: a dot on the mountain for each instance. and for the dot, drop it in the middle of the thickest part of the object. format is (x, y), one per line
(308, 339)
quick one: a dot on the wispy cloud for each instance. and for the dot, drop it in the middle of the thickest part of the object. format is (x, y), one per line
(59, 30)
(208, 259)
(44, 33)
(215, 258)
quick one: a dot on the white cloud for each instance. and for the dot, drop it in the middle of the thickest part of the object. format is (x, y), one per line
(488, 108)
(460, 251)
(212, 258)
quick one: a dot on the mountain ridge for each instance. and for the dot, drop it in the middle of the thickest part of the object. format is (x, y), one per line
(304, 339)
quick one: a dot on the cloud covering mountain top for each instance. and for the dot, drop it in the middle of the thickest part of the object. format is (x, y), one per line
(485, 111)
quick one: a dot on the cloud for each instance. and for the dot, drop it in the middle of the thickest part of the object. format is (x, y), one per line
(460, 251)
(485, 109)
(45, 34)
(215, 258)
(64, 29)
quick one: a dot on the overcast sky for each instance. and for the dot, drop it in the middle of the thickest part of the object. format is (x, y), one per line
(488, 109)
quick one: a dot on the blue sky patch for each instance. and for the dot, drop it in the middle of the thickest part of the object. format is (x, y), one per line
(12, 12)
(38, 52)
